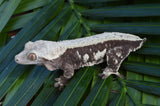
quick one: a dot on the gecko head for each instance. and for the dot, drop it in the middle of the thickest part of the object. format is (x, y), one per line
(28, 55)
(37, 52)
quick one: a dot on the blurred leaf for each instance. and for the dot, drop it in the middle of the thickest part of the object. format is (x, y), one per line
(25, 92)
(124, 11)
(145, 105)
(19, 22)
(143, 68)
(49, 92)
(92, 1)
(17, 83)
(133, 93)
(51, 30)
(99, 94)
(150, 50)
(149, 98)
(70, 29)
(119, 99)
(8, 78)
(145, 86)
(26, 5)
(7, 11)
(136, 28)
(1, 2)
(78, 15)
(72, 94)
(3, 39)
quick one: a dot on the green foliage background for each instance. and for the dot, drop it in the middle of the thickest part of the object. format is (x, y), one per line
(70, 19)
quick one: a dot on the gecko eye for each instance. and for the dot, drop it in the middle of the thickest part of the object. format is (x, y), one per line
(32, 56)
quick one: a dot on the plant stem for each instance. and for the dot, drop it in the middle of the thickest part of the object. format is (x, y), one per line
(78, 15)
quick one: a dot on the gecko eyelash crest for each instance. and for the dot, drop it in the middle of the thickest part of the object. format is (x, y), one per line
(68, 55)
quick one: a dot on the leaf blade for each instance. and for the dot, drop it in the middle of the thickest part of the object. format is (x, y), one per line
(7, 12)
(145, 86)
(124, 11)
(143, 68)
(136, 28)
(76, 88)
(99, 94)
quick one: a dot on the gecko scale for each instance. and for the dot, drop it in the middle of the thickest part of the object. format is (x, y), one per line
(68, 55)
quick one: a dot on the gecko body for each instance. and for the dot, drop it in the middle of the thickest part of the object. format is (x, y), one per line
(68, 55)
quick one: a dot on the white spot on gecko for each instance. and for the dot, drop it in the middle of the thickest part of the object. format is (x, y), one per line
(99, 54)
(117, 48)
(118, 54)
(85, 58)
(78, 55)
(92, 63)
(115, 60)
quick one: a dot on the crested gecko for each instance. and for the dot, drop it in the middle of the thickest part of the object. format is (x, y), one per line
(68, 55)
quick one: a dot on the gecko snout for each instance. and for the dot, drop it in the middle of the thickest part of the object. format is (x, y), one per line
(16, 59)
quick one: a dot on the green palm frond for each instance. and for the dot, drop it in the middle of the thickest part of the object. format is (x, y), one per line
(59, 20)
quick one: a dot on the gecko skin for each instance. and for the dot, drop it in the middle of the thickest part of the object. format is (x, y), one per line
(68, 55)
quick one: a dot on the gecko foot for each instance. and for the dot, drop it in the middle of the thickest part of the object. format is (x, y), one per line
(107, 72)
(61, 82)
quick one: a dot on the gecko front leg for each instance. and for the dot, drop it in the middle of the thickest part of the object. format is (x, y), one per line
(62, 81)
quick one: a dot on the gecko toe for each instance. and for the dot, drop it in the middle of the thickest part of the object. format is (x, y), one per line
(57, 79)
(121, 76)
(61, 82)
(56, 84)
(105, 76)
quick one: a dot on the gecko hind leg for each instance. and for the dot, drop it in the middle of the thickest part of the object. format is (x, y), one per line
(114, 57)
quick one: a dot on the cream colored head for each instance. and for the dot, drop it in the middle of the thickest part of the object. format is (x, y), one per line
(37, 52)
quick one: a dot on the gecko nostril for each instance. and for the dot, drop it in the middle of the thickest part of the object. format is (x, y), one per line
(16, 59)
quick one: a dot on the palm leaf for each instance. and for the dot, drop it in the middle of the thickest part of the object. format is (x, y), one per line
(143, 68)
(136, 28)
(145, 86)
(76, 88)
(60, 20)
(124, 11)
(49, 92)
(99, 94)
(6, 11)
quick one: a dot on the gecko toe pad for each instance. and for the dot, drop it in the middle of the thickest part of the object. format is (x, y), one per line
(107, 72)
(61, 82)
